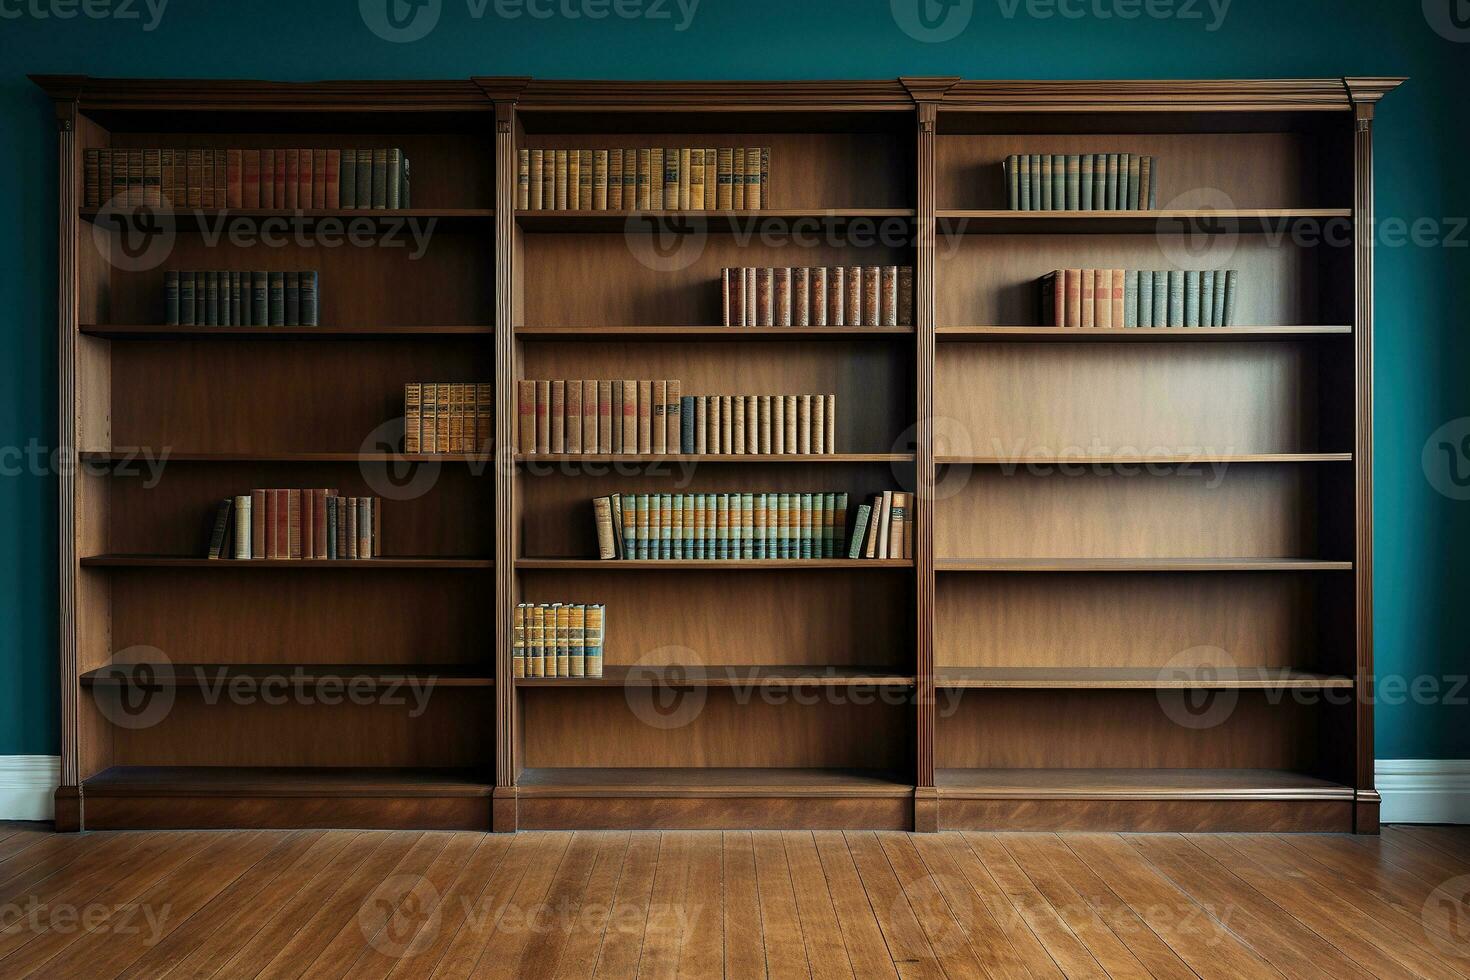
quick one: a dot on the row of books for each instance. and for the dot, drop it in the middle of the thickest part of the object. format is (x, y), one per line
(234, 177)
(883, 527)
(731, 526)
(220, 298)
(832, 296)
(448, 417)
(647, 179)
(1081, 182)
(653, 417)
(1108, 298)
(558, 639)
(312, 523)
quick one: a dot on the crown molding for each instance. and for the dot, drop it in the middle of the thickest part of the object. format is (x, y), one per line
(261, 96)
(1143, 95)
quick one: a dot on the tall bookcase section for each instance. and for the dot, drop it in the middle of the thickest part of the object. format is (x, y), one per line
(266, 693)
(736, 693)
(1152, 585)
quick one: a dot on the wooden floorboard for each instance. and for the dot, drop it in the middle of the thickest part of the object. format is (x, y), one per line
(328, 904)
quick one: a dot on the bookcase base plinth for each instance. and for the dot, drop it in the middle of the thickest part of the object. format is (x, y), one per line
(505, 810)
(1148, 816)
(715, 813)
(68, 809)
(295, 813)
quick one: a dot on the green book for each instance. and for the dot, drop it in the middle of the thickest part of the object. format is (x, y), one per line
(1085, 196)
(1112, 183)
(1161, 298)
(747, 525)
(1207, 298)
(1153, 182)
(364, 193)
(1145, 298)
(1074, 182)
(1125, 161)
(1037, 199)
(1058, 182)
(1176, 298)
(1023, 167)
(1230, 294)
(1130, 297)
(859, 529)
(1136, 197)
(630, 526)
(1013, 182)
(1191, 298)
(1046, 184)
(1217, 308)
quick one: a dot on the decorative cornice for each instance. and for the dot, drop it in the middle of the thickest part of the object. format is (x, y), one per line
(260, 96)
(1142, 95)
(506, 88)
(929, 89)
(767, 95)
(1371, 89)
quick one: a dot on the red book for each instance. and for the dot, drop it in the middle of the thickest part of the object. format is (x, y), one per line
(303, 186)
(267, 178)
(250, 180)
(1118, 283)
(291, 179)
(1074, 297)
(234, 180)
(334, 176)
(318, 178)
(279, 181)
(257, 523)
(221, 178)
(1059, 299)
(1103, 298)
(281, 521)
(308, 519)
(293, 526)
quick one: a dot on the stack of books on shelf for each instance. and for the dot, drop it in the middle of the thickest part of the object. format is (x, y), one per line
(656, 179)
(653, 417)
(721, 526)
(287, 179)
(256, 297)
(313, 523)
(1107, 298)
(883, 527)
(448, 417)
(558, 639)
(833, 296)
(1081, 182)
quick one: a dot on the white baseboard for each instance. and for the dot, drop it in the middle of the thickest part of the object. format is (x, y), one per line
(28, 786)
(1424, 790)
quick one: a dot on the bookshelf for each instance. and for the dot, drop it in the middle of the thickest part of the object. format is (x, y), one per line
(1112, 525)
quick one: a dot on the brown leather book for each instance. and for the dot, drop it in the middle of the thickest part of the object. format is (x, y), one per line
(888, 297)
(708, 410)
(413, 395)
(456, 417)
(737, 178)
(573, 417)
(673, 416)
(584, 180)
(308, 523)
(574, 180)
(429, 418)
(234, 179)
(252, 177)
(837, 296)
(764, 298)
(729, 305)
(442, 415)
(589, 417)
(557, 417)
(543, 416)
(819, 423)
(630, 179)
(604, 417)
(599, 180)
(258, 518)
(801, 296)
(872, 295)
(615, 179)
(645, 417)
(781, 296)
(711, 179)
(484, 418)
(696, 180)
(616, 429)
(535, 178)
(905, 296)
(1089, 298)
(367, 543)
(644, 182)
(630, 416)
(737, 424)
(656, 178)
(754, 199)
(319, 524)
(306, 178)
(752, 423)
(350, 504)
(333, 178)
(817, 293)
(559, 181)
(727, 424)
(278, 180)
(724, 175)
(853, 301)
(293, 524)
(293, 179)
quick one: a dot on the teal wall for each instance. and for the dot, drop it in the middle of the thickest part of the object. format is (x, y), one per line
(1422, 565)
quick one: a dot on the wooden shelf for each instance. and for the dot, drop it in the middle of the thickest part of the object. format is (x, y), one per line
(1143, 678)
(163, 331)
(180, 675)
(1136, 784)
(621, 675)
(1134, 335)
(704, 333)
(196, 781)
(710, 565)
(194, 219)
(278, 564)
(1087, 459)
(711, 221)
(1246, 221)
(715, 458)
(671, 782)
(1140, 565)
(124, 456)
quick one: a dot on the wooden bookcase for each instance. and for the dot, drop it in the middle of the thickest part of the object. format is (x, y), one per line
(1159, 618)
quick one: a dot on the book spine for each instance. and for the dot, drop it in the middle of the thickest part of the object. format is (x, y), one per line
(1176, 298)
(1191, 298)
(1231, 281)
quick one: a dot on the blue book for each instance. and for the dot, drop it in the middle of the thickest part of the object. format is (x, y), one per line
(1145, 298)
(630, 526)
(1058, 182)
(1176, 298)
(1130, 297)
(1231, 278)
(1217, 308)
(1191, 298)
(1161, 298)
(1125, 162)
(1207, 298)
(1085, 201)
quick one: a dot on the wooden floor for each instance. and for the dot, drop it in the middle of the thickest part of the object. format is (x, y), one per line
(373, 904)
